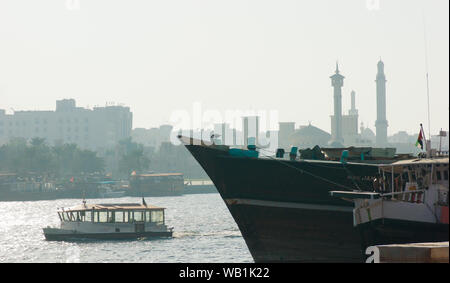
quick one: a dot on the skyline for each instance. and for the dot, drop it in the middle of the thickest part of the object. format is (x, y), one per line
(157, 58)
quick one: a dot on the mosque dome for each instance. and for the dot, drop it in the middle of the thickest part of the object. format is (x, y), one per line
(368, 134)
(309, 136)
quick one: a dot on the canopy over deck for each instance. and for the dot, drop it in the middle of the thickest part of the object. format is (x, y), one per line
(159, 175)
(114, 206)
(413, 162)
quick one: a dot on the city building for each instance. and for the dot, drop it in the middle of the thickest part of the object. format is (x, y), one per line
(286, 130)
(152, 137)
(225, 134)
(250, 127)
(94, 129)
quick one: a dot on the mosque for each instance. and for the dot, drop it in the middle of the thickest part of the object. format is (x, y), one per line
(344, 128)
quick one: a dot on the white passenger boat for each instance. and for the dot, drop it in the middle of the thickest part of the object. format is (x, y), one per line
(110, 221)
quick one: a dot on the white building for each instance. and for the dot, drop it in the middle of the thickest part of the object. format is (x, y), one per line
(99, 128)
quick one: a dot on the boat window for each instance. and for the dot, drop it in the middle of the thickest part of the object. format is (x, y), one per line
(119, 215)
(157, 216)
(111, 217)
(87, 216)
(413, 176)
(446, 175)
(103, 216)
(438, 174)
(126, 216)
(147, 216)
(138, 216)
(81, 215)
(95, 216)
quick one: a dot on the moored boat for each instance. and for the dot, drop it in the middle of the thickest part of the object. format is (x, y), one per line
(409, 204)
(284, 209)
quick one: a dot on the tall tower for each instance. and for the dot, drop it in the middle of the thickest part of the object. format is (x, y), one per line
(337, 81)
(353, 111)
(381, 124)
(250, 126)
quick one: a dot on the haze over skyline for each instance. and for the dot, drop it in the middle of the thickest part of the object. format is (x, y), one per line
(161, 56)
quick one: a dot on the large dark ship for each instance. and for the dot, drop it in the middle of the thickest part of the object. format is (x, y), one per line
(283, 207)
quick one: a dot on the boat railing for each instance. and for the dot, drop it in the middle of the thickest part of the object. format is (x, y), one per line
(414, 196)
(442, 153)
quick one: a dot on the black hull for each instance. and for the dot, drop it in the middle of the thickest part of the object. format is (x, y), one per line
(105, 236)
(392, 231)
(283, 208)
(279, 234)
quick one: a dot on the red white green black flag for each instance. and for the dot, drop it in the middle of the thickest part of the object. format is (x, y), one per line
(419, 142)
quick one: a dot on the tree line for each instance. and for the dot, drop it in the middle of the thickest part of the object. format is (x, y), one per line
(37, 157)
(62, 160)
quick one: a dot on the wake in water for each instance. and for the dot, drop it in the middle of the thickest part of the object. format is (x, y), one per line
(191, 234)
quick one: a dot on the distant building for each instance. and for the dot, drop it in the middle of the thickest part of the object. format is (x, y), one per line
(152, 137)
(337, 81)
(309, 136)
(225, 134)
(402, 137)
(95, 129)
(250, 128)
(381, 124)
(286, 130)
(349, 125)
(367, 136)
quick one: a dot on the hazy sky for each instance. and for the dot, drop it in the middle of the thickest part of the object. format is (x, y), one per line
(165, 55)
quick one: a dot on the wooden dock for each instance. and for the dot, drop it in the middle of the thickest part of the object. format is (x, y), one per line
(414, 253)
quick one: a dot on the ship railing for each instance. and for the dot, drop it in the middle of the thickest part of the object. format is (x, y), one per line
(414, 196)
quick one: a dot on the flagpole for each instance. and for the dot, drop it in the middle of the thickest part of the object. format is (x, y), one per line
(427, 69)
(423, 135)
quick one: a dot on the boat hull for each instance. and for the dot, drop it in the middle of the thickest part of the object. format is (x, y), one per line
(288, 232)
(284, 209)
(52, 234)
(394, 231)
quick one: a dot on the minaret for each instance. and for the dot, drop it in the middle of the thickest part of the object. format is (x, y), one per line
(381, 124)
(353, 111)
(337, 81)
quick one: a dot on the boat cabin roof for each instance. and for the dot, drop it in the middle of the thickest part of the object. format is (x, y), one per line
(415, 162)
(159, 175)
(114, 207)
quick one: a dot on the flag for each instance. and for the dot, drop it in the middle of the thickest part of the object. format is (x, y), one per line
(420, 138)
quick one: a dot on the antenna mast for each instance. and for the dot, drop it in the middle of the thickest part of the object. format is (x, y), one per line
(426, 67)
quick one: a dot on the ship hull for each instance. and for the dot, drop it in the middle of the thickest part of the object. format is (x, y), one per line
(293, 232)
(283, 208)
(285, 212)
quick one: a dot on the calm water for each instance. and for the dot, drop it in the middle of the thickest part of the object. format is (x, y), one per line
(204, 231)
